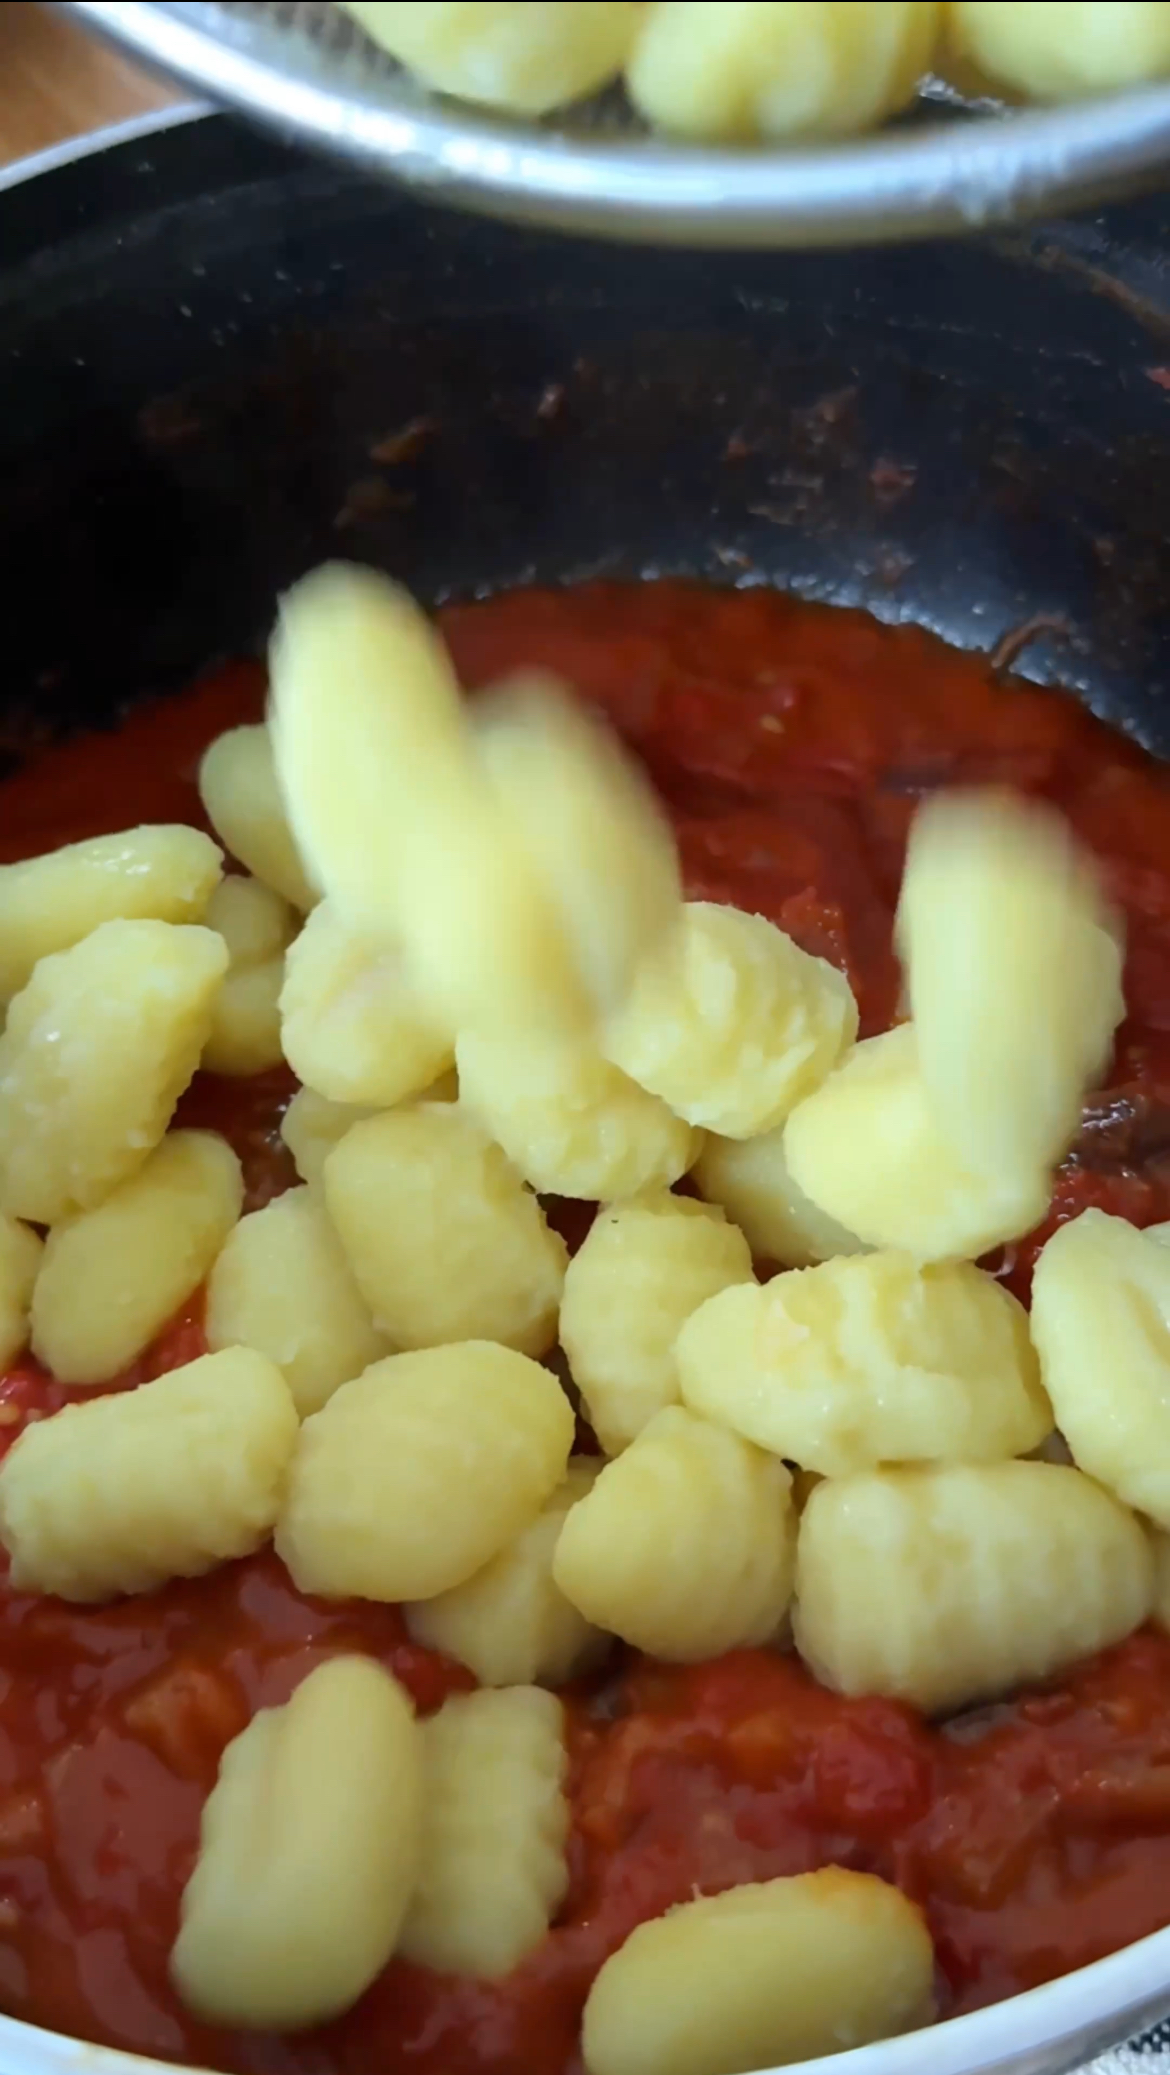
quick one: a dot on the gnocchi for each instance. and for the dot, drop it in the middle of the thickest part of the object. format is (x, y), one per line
(731, 1023)
(111, 1278)
(1086, 47)
(643, 1268)
(571, 1123)
(865, 1149)
(20, 1259)
(1101, 1324)
(353, 1027)
(312, 1125)
(119, 1494)
(241, 794)
(495, 1832)
(1014, 973)
(505, 55)
(750, 1179)
(511, 1624)
(870, 1360)
(945, 1585)
(764, 1974)
(256, 924)
(310, 1849)
(742, 69)
(444, 1240)
(97, 1049)
(722, 1508)
(49, 903)
(282, 1285)
(422, 1469)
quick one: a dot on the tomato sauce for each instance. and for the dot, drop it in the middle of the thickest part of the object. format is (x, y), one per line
(792, 744)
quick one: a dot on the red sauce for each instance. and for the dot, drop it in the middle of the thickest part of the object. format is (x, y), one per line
(792, 744)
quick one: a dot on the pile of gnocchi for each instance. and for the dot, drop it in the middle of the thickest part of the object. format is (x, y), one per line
(745, 70)
(462, 924)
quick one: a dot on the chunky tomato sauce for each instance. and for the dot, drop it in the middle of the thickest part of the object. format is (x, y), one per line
(792, 744)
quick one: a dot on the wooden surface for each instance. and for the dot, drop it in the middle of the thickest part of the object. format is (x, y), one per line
(55, 81)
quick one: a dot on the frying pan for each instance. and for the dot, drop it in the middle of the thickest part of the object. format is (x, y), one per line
(206, 342)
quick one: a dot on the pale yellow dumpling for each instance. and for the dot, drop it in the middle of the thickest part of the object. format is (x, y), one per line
(353, 1026)
(238, 787)
(641, 1271)
(739, 69)
(731, 1023)
(1061, 53)
(312, 1125)
(20, 1258)
(750, 1178)
(518, 57)
(869, 1360)
(256, 924)
(866, 1150)
(761, 1975)
(97, 1050)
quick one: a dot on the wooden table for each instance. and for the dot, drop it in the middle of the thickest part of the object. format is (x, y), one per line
(55, 81)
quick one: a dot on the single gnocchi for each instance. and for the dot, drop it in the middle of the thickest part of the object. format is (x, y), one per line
(511, 1624)
(643, 1268)
(49, 903)
(112, 1278)
(872, 1360)
(723, 1511)
(495, 1831)
(282, 1285)
(731, 1023)
(750, 1179)
(240, 792)
(418, 1472)
(97, 1050)
(310, 1849)
(945, 1585)
(569, 1121)
(865, 1149)
(312, 1125)
(256, 924)
(20, 1260)
(119, 1494)
(444, 1240)
(744, 69)
(354, 1029)
(1014, 972)
(1101, 1324)
(1061, 54)
(764, 1974)
(505, 55)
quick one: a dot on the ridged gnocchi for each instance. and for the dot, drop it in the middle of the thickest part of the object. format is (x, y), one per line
(1060, 54)
(282, 1285)
(111, 1278)
(493, 1868)
(310, 1849)
(749, 1178)
(511, 1624)
(723, 1511)
(256, 924)
(312, 1125)
(764, 1974)
(951, 1584)
(866, 1150)
(49, 903)
(418, 1472)
(20, 1259)
(353, 1027)
(569, 1121)
(505, 55)
(730, 1022)
(240, 792)
(1101, 1325)
(97, 1050)
(641, 1271)
(119, 1494)
(444, 1240)
(1014, 972)
(871, 1360)
(742, 69)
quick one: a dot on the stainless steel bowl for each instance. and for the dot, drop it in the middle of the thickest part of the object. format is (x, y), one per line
(304, 71)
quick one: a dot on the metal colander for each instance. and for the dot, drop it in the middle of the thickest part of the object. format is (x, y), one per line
(308, 71)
